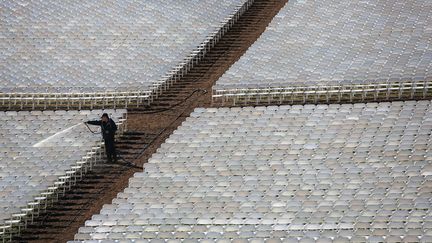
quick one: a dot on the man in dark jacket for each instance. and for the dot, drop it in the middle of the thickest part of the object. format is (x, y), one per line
(108, 129)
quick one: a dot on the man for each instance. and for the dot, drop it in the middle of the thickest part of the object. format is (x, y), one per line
(108, 129)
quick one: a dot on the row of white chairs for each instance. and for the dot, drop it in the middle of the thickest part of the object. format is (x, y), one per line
(322, 172)
(42, 154)
(337, 43)
(84, 52)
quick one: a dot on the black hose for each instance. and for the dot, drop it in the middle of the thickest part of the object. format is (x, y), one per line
(85, 123)
(175, 105)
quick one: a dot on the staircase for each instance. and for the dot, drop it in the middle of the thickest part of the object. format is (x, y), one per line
(226, 52)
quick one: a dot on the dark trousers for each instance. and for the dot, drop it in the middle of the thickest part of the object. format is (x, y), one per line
(110, 150)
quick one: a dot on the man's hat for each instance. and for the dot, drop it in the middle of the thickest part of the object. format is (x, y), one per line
(105, 115)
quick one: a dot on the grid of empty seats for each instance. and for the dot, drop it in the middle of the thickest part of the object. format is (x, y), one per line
(90, 46)
(325, 173)
(336, 42)
(36, 148)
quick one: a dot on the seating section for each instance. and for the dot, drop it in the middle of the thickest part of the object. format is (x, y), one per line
(342, 173)
(94, 46)
(334, 42)
(41, 154)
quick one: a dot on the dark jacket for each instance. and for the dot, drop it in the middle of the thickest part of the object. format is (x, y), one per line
(108, 129)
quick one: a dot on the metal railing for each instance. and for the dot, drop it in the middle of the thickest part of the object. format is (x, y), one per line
(316, 94)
